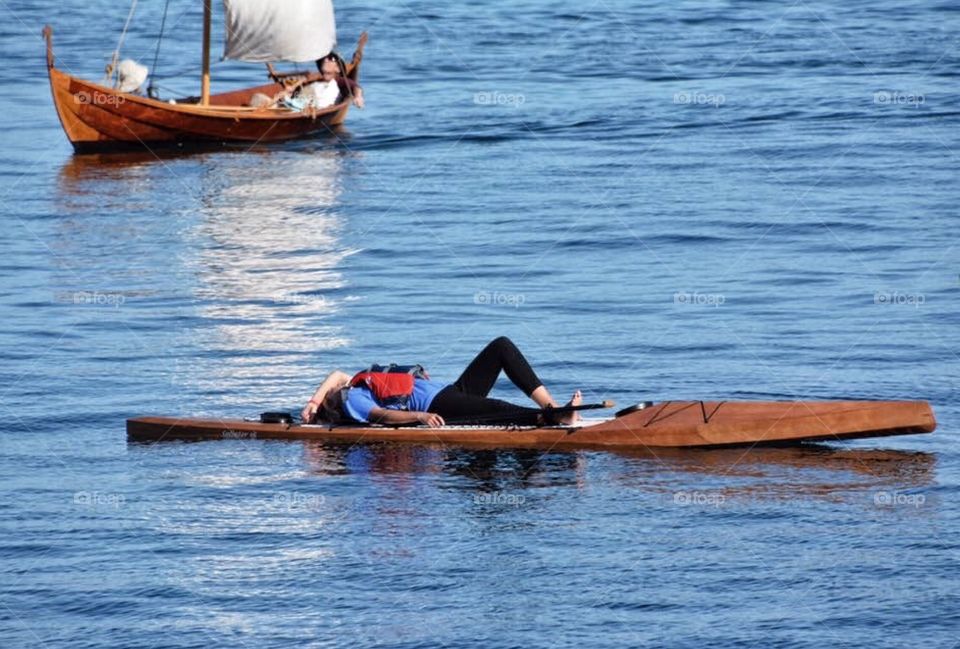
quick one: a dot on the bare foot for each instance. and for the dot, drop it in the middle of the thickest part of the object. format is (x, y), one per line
(572, 417)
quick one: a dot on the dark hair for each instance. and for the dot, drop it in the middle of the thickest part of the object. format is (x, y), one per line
(334, 414)
(333, 56)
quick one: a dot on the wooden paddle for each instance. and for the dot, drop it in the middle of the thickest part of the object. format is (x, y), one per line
(582, 406)
(547, 412)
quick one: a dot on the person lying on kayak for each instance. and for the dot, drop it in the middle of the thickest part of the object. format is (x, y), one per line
(342, 397)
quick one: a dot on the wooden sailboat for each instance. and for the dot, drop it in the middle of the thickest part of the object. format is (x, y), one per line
(96, 117)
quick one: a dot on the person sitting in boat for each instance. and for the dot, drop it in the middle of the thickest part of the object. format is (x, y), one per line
(344, 398)
(332, 68)
(332, 88)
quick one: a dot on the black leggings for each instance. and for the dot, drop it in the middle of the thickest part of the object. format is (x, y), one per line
(466, 401)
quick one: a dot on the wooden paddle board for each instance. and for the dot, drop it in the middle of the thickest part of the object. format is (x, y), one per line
(664, 424)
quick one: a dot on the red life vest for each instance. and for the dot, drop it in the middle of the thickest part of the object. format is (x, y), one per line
(390, 385)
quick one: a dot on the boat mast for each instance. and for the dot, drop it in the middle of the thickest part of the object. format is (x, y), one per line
(205, 75)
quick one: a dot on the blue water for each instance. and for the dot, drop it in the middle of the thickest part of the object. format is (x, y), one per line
(736, 200)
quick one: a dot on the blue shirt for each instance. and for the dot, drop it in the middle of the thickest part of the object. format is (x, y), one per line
(360, 401)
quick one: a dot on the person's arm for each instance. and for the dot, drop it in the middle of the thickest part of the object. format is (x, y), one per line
(280, 76)
(349, 87)
(334, 381)
(401, 417)
(289, 89)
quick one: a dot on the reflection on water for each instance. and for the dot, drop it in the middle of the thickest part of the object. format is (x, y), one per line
(807, 471)
(78, 172)
(268, 249)
(266, 266)
(239, 255)
(803, 472)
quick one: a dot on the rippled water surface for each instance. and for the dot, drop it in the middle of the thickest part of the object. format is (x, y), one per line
(695, 200)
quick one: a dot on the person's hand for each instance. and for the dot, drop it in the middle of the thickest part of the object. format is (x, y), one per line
(309, 411)
(430, 419)
(358, 99)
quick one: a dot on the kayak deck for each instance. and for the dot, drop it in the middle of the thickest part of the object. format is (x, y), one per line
(665, 424)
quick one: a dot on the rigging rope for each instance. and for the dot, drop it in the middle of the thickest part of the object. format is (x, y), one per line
(116, 53)
(151, 89)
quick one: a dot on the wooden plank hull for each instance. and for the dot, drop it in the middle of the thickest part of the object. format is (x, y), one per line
(667, 424)
(99, 118)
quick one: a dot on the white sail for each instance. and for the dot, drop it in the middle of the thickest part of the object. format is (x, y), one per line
(279, 30)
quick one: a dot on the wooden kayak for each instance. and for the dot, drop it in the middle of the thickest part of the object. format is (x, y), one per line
(665, 424)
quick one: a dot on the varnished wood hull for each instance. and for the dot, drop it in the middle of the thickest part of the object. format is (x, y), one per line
(99, 118)
(667, 424)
